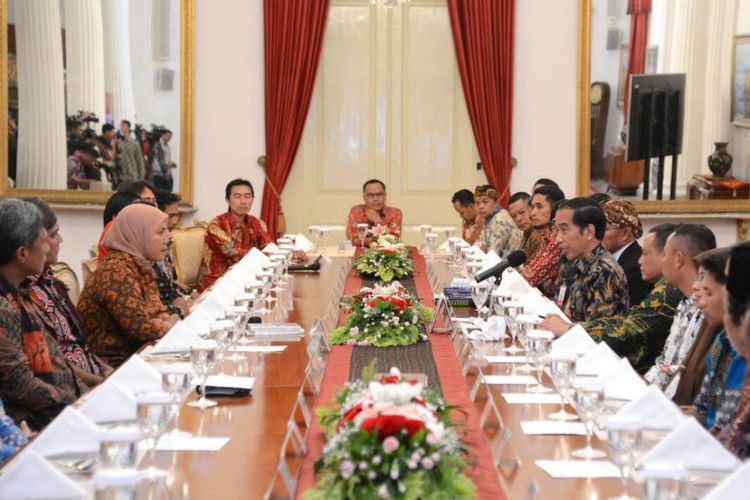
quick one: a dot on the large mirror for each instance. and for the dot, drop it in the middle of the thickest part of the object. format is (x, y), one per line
(708, 43)
(94, 93)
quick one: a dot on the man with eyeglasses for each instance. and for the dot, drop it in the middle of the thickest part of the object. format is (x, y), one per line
(373, 212)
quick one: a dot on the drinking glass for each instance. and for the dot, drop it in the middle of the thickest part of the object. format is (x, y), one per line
(203, 358)
(472, 268)
(479, 293)
(589, 399)
(540, 342)
(118, 448)
(280, 258)
(314, 231)
(221, 332)
(325, 233)
(176, 380)
(498, 298)
(663, 481)
(246, 300)
(238, 316)
(512, 309)
(562, 369)
(267, 278)
(154, 410)
(526, 323)
(116, 485)
(362, 230)
(450, 232)
(625, 438)
(425, 228)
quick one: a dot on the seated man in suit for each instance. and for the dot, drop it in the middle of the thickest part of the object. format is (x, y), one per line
(231, 235)
(623, 229)
(373, 212)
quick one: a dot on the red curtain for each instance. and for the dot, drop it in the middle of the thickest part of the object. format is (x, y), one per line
(638, 11)
(483, 37)
(293, 38)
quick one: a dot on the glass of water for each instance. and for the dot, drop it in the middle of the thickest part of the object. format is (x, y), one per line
(362, 230)
(562, 369)
(203, 358)
(625, 439)
(540, 343)
(154, 410)
(589, 400)
(512, 309)
(177, 380)
(526, 323)
(479, 293)
(664, 481)
(238, 316)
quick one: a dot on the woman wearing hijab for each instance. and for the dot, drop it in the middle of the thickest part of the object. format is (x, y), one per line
(120, 304)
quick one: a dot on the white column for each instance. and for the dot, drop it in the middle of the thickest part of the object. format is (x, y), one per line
(84, 46)
(41, 96)
(118, 73)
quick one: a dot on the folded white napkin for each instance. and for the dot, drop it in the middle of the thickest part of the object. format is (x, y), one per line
(302, 243)
(598, 361)
(657, 411)
(734, 486)
(136, 376)
(271, 247)
(492, 329)
(623, 382)
(178, 339)
(110, 402)
(70, 433)
(513, 282)
(691, 446)
(534, 302)
(576, 340)
(490, 259)
(31, 477)
(214, 305)
(256, 255)
(198, 320)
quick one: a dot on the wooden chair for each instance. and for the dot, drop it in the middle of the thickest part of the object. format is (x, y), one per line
(187, 248)
(88, 267)
(64, 273)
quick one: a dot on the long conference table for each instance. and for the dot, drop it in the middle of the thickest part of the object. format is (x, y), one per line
(247, 466)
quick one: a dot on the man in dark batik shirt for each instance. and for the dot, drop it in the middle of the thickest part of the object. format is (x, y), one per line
(592, 285)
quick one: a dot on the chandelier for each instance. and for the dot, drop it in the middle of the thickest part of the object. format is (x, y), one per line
(389, 3)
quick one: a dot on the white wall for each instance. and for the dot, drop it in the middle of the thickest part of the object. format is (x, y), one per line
(229, 108)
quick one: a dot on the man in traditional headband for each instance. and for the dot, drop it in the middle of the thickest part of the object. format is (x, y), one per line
(500, 232)
(623, 229)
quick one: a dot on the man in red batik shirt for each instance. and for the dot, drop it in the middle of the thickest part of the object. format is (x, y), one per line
(373, 213)
(542, 269)
(231, 235)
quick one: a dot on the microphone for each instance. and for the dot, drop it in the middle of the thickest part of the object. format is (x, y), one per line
(514, 259)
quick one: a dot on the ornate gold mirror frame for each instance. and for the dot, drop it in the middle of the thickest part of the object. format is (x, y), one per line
(187, 87)
(583, 175)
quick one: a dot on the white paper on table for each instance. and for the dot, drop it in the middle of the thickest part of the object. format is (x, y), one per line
(29, 476)
(530, 398)
(623, 382)
(598, 361)
(574, 469)
(733, 486)
(551, 427)
(136, 375)
(109, 402)
(271, 247)
(655, 410)
(70, 433)
(178, 339)
(490, 259)
(180, 443)
(576, 340)
(230, 381)
(260, 348)
(691, 446)
(509, 380)
(302, 243)
(505, 359)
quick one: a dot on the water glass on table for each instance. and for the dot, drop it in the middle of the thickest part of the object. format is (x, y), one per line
(589, 401)
(362, 230)
(663, 481)
(118, 448)
(625, 439)
(562, 369)
(203, 358)
(540, 343)
(237, 315)
(526, 323)
(177, 380)
(154, 410)
(512, 309)
(479, 294)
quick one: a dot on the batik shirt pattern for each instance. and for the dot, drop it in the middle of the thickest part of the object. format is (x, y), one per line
(391, 219)
(664, 374)
(593, 286)
(501, 234)
(226, 242)
(640, 334)
(532, 241)
(721, 389)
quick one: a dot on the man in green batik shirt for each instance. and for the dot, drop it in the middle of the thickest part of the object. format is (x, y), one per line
(131, 155)
(640, 334)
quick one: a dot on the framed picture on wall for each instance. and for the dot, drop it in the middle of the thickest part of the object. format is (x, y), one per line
(623, 74)
(741, 81)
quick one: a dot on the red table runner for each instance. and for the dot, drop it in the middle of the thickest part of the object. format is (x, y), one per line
(483, 474)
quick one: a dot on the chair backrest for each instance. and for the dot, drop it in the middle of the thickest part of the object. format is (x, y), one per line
(64, 273)
(187, 248)
(88, 267)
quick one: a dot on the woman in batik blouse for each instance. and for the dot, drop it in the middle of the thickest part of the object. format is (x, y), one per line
(120, 303)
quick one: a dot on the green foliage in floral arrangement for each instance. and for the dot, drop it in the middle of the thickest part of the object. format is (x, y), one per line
(386, 259)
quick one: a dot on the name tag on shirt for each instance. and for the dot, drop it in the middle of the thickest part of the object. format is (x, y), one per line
(561, 296)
